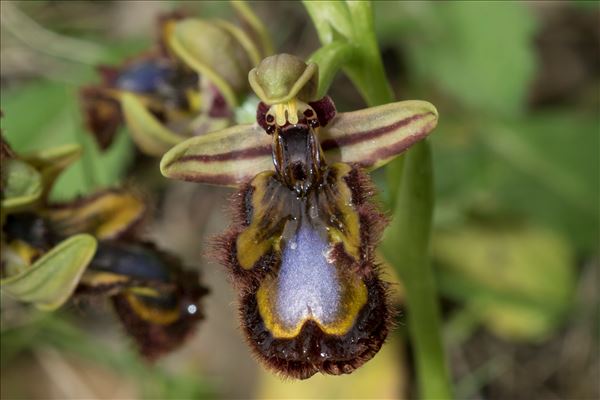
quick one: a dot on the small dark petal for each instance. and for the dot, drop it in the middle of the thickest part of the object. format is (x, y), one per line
(108, 74)
(6, 153)
(134, 260)
(153, 339)
(145, 76)
(5, 150)
(261, 112)
(29, 228)
(219, 107)
(102, 113)
(325, 109)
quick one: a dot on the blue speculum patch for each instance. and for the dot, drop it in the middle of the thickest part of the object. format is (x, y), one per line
(308, 284)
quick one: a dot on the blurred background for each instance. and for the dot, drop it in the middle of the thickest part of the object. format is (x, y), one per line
(516, 225)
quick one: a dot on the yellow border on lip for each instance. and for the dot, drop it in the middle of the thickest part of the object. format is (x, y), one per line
(354, 297)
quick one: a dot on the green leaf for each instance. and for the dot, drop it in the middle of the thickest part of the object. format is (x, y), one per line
(479, 52)
(258, 28)
(57, 121)
(543, 167)
(23, 185)
(517, 280)
(331, 18)
(51, 280)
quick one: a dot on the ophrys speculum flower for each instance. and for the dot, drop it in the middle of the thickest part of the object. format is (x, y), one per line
(301, 246)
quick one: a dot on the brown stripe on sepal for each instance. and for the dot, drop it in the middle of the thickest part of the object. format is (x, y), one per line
(233, 155)
(367, 135)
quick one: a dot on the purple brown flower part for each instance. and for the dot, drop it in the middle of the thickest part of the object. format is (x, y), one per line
(188, 85)
(157, 301)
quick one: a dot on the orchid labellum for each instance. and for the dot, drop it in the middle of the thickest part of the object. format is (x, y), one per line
(300, 249)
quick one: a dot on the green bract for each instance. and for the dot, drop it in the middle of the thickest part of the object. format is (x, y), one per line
(51, 280)
(282, 77)
(52, 162)
(28, 180)
(218, 51)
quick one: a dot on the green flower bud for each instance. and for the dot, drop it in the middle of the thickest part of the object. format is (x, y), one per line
(218, 51)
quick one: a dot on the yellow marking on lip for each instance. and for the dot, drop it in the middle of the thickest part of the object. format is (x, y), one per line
(103, 216)
(354, 297)
(248, 245)
(96, 278)
(351, 223)
(151, 314)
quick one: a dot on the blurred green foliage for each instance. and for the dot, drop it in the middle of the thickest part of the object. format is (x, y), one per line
(59, 331)
(54, 119)
(517, 186)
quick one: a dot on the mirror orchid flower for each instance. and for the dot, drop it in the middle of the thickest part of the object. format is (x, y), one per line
(301, 246)
(90, 246)
(188, 85)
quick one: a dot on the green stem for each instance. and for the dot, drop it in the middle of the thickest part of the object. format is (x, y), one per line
(407, 247)
(411, 180)
(330, 58)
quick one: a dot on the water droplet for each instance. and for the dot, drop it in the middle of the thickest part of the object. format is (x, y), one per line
(191, 309)
(293, 245)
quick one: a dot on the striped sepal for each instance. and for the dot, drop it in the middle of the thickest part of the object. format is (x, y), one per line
(374, 136)
(228, 157)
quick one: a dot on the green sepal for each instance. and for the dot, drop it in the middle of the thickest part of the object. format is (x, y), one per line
(228, 157)
(373, 136)
(148, 133)
(218, 51)
(52, 162)
(51, 280)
